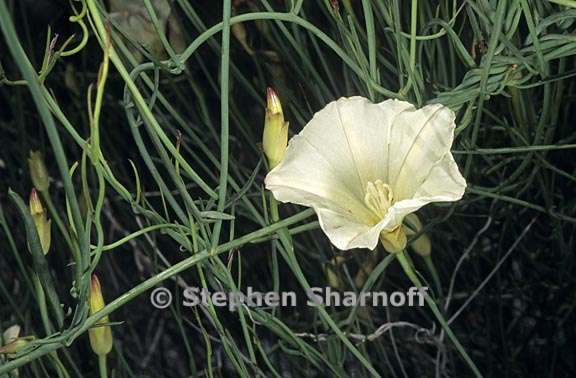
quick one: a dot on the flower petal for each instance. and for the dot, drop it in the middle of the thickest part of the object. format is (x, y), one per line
(346, 233)
(306, 178)
(419, 140)
(365, 130)
(444, 183)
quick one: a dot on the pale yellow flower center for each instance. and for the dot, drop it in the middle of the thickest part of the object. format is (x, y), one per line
(378, 198)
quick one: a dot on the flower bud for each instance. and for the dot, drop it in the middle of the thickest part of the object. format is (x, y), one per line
(348, 6)
(275, 138)
(239, 31)
(11, 334)
(14, 346)
(332, 271)
(331, 276)
(394, 241)
(38, 171)
(36, 207)
(273, 104)
(101, 334)
(11, 343)
(422, 245)
(43, 225)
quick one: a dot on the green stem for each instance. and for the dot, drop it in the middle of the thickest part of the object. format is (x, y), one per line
(41, 300)
(297, 6)
(412, 57)
(39, 261)
(102, 366)
(413, 26)
(225, 117)
(71, 334)
(48, 329)
(414, 278)
(59, 366)
(275, 268)
(435, 277)
(288, 254)
(29, 74)
(371, 37)
(289, 17)
(567, 3)
(59, 223)
(139, 101)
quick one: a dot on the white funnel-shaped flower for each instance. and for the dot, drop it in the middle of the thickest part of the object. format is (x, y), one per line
(363, 167)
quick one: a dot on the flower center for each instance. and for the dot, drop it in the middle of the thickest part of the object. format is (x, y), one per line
(378, 197)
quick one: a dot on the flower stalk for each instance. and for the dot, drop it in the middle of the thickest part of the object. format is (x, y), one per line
(409, 270)
(423, 247)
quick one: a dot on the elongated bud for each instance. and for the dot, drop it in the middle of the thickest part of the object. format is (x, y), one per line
(38, 171)
(101, 334)
(422, 245)
(275, 138)
(43, 225)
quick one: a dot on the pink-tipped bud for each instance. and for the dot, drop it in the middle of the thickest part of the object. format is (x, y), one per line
(36, 207)
(273, 104)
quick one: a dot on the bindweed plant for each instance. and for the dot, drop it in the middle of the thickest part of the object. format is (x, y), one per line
(144, 130)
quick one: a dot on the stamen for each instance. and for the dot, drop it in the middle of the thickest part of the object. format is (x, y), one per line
(378, 197)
